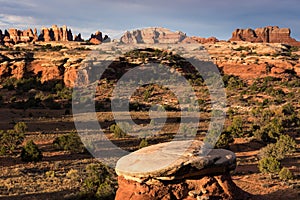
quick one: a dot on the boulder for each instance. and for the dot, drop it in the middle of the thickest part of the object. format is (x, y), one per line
(177, 170)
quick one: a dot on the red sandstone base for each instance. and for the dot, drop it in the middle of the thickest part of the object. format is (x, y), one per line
(214, 187)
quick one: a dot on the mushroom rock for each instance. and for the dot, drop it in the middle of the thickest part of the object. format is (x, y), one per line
(183, 170)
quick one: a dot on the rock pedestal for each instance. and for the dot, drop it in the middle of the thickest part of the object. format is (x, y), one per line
(177, 170)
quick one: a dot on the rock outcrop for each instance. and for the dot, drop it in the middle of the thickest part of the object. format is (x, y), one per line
(56, 34)
(14, 36)
(78, 38)
(98, 39)
(205, 40)
(152, 36)
(269, 34)
(177, 170)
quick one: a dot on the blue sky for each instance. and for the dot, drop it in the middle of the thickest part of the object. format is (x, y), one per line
(194, 17)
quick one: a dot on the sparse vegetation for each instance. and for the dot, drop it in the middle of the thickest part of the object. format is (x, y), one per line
(99, 183)
(31, 152)
(285, 174)
(269, 165)
(69, 142)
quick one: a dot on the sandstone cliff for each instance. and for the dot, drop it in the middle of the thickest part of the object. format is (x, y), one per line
(56, 34)
(59, 34)
(269, 34)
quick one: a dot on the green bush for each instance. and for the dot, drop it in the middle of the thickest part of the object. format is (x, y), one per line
(20, 127)
(118, 132)
(9, 141)
(285, 174)
(224, 140)
(270, 131)
(100, 183)
(31, 152)
(236, 127)
(269, 165)
(70, 142)
(143, 143)
(284, 145)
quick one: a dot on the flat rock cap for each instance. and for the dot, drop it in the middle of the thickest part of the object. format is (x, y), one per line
(175, 160)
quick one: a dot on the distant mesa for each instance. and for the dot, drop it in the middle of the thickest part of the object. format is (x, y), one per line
(158, 35)
(269, 34)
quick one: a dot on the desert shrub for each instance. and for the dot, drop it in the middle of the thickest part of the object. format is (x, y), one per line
(70, 142)
(284, 145)
(285, 174)
(143, 143)
(270, 131)
(73, 174)
(236, 127)
(118, 132)
(224, 140)
(31, 152)
(100, 183)
(20, 127)
(269, 165)
(9, 141)
(288, 109)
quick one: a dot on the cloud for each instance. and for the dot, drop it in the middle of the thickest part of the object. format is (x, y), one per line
(17, 21)
(195, 17)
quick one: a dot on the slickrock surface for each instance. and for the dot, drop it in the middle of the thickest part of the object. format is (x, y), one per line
(177, 170)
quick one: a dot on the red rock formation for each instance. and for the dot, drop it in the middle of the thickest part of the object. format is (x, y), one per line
(205, 40)
(270, 34)
(78, 38)
(206, 187)
(56, 34)
(98, 39)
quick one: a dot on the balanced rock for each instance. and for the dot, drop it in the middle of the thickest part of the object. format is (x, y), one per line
(269, 34)
(152, 36)
(177, 170)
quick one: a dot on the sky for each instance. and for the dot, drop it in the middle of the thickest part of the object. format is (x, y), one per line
(202, 18)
